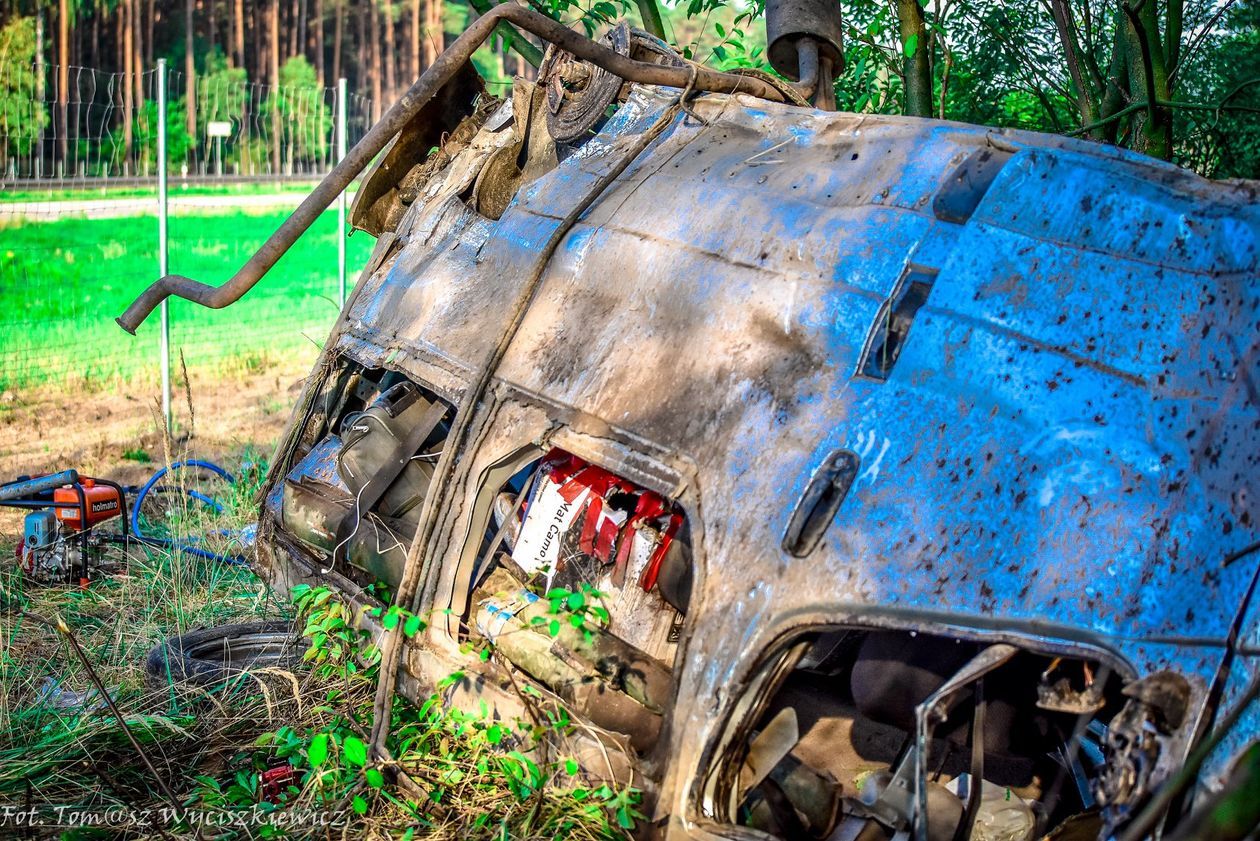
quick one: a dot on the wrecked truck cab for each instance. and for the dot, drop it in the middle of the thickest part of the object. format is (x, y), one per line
(894, 475)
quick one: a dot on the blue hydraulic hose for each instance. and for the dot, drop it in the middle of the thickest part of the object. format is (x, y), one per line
(149, 486)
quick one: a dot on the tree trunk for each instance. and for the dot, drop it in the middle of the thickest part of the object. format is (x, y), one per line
(414, 66)
(295, 14)
(120, 25)
(94, 42)
(391, 52)
(1148, 82)
(1116, 83)
(434, 40)
(427, 52)
(339, 27)
(125, 11)
(63, 85)
(40, 68)
(190, 77)
(39, 52)
(260, 39)
(436, 8)
(212, 27)
(229, 45)
(317, 18)
(273, 54)
(148, 36)
(373, 67)
(916, 69)
(303, 44)
(650, 14)
(238, 12)
(137, 60)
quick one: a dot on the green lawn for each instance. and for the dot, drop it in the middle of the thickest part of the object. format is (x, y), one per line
(175, 190)
(62, 284)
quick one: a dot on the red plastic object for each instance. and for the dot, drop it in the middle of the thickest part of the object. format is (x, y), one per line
(274, 781)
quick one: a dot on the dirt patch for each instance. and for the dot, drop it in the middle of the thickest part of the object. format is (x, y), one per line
(112, 432)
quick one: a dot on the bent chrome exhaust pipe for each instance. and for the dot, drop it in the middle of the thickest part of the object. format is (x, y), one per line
(401, 112)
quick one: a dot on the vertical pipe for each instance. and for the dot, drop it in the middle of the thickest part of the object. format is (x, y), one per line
(341, 200)
(164, 340)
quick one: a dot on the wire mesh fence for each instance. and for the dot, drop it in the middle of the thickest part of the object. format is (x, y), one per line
(62, 129)
(78, 226)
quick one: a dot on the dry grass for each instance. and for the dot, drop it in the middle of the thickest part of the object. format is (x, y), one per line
(60, 746)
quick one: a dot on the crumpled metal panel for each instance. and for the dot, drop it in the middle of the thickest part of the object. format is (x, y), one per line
(1068, 446)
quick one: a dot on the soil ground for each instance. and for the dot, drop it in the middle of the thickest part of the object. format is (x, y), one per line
(112, 432)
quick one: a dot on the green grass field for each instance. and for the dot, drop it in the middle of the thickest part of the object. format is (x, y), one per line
(176, 189)
(62, 284)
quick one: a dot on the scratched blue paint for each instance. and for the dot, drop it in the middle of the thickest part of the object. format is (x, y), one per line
(1067, 448)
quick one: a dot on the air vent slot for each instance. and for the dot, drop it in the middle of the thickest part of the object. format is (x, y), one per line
(818, 505)
(892, 324)
(965, 188)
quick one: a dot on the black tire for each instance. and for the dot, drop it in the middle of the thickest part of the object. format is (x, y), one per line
(212, 656)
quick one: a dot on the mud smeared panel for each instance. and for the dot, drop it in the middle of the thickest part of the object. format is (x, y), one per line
(377, 207)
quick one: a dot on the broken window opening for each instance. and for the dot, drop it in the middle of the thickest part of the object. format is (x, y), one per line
(581, 582)
(354, 499)
(892, 325)
(824, 746)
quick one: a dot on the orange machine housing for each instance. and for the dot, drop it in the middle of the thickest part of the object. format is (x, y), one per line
(102, 503)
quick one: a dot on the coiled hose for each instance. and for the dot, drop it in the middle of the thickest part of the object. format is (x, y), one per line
(151, 486)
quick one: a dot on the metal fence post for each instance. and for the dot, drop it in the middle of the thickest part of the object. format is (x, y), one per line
(164, 341)
(341, 200)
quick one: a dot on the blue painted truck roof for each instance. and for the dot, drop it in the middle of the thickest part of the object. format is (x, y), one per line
(1069, 441)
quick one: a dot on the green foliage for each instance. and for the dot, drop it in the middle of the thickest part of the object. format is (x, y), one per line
(20, 123)
(223, 97)
(138, 455)
(581, 609)
(478, 773)
(1223, 139)
(305, 119)
(145, 133)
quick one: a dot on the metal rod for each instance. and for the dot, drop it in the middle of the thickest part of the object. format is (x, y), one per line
(62, 628)
(807, 63)
(934, 709)
(341, 199)
(17, 490)
(401, 112)
(164, 338)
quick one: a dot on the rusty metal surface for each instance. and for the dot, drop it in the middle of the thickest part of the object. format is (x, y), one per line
(430, 83)
(1066, 449)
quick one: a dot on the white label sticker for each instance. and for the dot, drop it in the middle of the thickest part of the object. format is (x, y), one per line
(546, 521)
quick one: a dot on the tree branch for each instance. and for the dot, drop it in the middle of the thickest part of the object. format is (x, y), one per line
(1087, 94)
(1222, 105)
(1190, 50)
(1033, 73)
(651, 14)
(1175, 17)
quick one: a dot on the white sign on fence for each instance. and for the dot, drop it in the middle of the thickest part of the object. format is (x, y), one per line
(218, 129)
